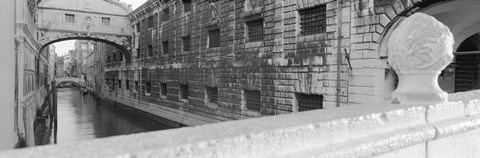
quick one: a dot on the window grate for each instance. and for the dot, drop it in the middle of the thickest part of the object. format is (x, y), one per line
(150, 50)
(309, 102)
(187, 5)
(255, 30)
(148, 87)
(150, 22)
(119, 83)
(186, 43)
(105, 21)
(163, 89)
(166, 14)
(214, 38)
(127, 84)
(253, 100)
(165, 47)
(69, 18)
(313, 20)
(136, 86)
(212, 94)
(183, 91)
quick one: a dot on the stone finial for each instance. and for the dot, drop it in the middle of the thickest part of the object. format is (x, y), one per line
(419, 49)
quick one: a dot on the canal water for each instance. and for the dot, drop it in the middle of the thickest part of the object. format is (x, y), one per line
(81, 117)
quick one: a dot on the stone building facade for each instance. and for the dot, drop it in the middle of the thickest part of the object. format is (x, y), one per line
(198, 62)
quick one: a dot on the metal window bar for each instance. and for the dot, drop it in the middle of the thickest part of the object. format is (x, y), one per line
(253, 100)
(214, 38)
(313, 20)
(309, 102)
(184, 91)
(187, 5)
(212, 93)
(163, 87)
(255, 30)
(186, 43)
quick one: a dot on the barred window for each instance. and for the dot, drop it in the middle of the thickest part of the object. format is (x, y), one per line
(253, 100)
(313, 20)
(255, 30)
(150, 22)
(120, 56)
(183, 91)
(186, 43)
(165, 47)
(138, 52)
(136, 86)
(166, 14)
(309, 102)
(214, 38)
(148, 87)
(105, 21)
(150, 50)
(163, 89)
(187, 5)
(212, 94)
(69, 18)
(138, 26)
(127, 84)
(119, 83)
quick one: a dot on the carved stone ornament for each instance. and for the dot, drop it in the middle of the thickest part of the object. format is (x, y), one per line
(419, 49)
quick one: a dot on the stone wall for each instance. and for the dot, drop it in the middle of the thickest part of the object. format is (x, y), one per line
(382, 131)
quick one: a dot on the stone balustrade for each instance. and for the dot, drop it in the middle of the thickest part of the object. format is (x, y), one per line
(390, 130)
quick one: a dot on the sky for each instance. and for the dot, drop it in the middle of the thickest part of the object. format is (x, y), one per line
(61, 48)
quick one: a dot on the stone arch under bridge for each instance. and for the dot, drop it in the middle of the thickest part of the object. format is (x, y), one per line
(97, 20)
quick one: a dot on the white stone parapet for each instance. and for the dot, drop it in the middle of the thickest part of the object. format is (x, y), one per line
(419, 49)
(450, 130)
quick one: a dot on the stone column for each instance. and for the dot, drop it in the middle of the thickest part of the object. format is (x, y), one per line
(8, 137)
(419, 49)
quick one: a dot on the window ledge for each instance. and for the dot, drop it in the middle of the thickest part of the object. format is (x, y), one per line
(249, 15)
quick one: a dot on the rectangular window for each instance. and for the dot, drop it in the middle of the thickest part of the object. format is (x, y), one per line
(148, 87)
(119, 83)
(138, 52)
(313, 20)
(138, 26)
(150, 22)
(309, 102)
(150, 50)
(120, 56)
(127, 84)
(163, 89)
(113, 83)
(255, 30)
(165, 47)
(214, 38)
(187, 5)
(105, 21)
(166, 14)
(136, 86)
(186, 43)
(212, 94)
(183, 91)
(253, 100)
(69, 18)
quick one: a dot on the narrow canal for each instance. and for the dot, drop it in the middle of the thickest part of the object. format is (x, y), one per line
(81, 117)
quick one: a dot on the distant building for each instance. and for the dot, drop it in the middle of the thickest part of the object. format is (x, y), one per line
(60, 67)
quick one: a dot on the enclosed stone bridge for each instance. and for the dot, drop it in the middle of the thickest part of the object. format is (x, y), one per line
(98, 20)
(74, 80)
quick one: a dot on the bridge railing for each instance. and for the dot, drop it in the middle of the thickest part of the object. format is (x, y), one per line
(422, 121)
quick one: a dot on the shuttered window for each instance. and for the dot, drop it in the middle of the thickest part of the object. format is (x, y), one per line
(253, 100)
(309, 102)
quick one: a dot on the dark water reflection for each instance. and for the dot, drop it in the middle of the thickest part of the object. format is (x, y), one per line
(80, 118)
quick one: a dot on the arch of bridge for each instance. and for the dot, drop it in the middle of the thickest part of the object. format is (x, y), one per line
(98, 20)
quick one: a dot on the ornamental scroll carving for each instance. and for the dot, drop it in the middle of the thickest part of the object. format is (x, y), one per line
(419, 49)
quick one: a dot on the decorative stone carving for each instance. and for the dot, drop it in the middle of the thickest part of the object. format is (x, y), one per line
(214, 10)
(419, 49)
